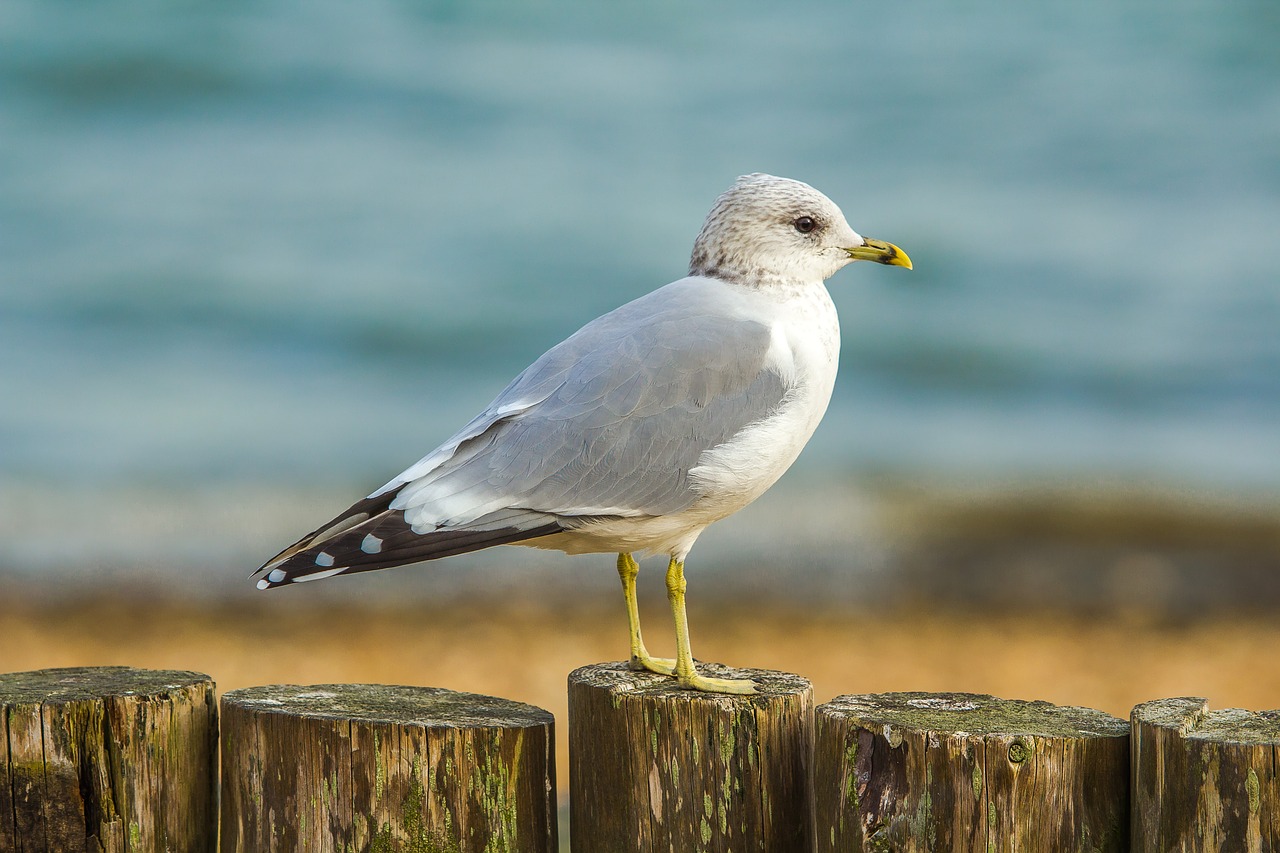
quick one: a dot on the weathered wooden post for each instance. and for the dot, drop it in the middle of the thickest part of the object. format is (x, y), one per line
(656, 767)
(107, 758)
(960, 772)
(337, 767)
(1205, 780)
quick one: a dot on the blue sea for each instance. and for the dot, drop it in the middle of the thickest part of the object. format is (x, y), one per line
(257, 257)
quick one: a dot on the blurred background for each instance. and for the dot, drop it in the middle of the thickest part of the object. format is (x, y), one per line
(258, 257)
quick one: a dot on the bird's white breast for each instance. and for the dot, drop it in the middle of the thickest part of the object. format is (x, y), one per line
(805, 350)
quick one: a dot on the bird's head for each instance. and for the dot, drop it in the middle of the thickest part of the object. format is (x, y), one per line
(765, 228)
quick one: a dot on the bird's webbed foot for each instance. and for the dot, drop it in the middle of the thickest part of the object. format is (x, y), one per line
(642, 662)
(738, 686)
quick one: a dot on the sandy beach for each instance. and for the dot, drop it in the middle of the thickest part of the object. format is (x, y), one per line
(525, 652)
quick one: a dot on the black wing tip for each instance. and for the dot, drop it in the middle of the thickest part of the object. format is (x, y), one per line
(356, 515)
(336, 557)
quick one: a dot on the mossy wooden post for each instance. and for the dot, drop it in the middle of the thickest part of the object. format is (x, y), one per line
(1205, 780)
(107, 759)
(338, 767)
(656, 767)
(960, 772)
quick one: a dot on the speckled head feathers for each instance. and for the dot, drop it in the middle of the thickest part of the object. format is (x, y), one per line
(766, 229)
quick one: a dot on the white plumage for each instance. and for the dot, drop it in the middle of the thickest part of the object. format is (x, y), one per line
(643, 427)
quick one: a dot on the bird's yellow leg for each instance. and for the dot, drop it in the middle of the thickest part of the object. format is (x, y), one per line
(640, 659)
(685, 670)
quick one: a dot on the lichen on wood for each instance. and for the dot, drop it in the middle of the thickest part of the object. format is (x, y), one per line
(1205, 780)
(656, 767)
(338, 767)
(107, 759)
(965, 772)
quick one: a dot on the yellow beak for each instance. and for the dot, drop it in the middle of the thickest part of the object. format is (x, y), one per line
(880, 252)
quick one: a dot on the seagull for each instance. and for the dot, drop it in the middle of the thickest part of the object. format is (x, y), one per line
(639, 430)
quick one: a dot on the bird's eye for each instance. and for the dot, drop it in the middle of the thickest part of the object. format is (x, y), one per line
(805, 224)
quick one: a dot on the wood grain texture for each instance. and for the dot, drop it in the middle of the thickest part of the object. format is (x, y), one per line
(962, 772)
(107, 759)
(361, 767)
(656, 767)
(1205, 780)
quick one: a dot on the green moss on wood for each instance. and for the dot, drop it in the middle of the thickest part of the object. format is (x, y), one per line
(727, 740)
(411, 780)
(851, 775)
(914, 737)
(704, 745)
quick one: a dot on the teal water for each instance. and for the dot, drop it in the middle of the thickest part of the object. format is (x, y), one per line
(297, 244)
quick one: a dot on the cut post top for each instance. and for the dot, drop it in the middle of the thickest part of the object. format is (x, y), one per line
(1192, 718)
(620, 679)
(429, 707)
(81, 683)
(974, 713)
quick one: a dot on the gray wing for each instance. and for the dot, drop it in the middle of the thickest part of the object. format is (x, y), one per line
(607, 423)
(610, 422)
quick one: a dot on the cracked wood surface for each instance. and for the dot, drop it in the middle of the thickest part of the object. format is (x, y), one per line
(368, 767)
(1205, 780)
(963, 772)
(107, 760)
(654, 767)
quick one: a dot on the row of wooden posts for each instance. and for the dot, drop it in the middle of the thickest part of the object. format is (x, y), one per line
(117, 759)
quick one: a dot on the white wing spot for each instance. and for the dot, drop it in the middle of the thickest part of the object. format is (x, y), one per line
(277, 576)
(317, 576)
(324, 559)
(371, 544)
(263, 584)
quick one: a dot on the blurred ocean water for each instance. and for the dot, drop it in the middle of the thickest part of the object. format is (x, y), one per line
(264, 251)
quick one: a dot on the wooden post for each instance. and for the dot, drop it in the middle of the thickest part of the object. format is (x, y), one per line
(656, 767)
(961, 772)
(1205, 780)
(337, 767)
(107, 759)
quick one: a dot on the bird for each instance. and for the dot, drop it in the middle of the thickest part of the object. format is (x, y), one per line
(640, 429)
